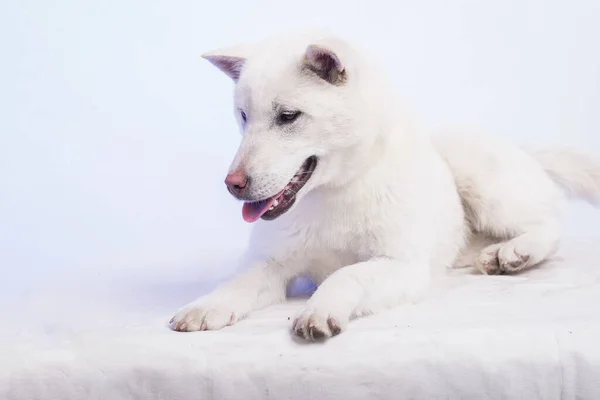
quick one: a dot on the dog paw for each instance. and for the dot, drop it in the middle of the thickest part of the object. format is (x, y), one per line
(315, 326)
(510, 260)
(500, 259)
(203, 316)
(487, 262)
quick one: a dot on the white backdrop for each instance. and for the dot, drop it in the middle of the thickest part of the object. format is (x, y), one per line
(115, 135)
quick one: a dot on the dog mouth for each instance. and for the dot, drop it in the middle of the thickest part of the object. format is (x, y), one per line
(272, 207)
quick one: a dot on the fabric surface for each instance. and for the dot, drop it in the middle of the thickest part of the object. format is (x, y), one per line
(533, 336)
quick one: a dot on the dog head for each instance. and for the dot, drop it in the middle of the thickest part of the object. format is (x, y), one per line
(303, 114)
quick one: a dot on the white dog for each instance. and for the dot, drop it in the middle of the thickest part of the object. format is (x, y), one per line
(344, 189)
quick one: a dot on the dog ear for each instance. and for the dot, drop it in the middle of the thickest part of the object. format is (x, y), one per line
(325, 63)
(230, 61)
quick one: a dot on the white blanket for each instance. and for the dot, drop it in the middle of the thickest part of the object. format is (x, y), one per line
(533, 336)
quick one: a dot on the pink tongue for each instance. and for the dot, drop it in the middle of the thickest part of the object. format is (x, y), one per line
(251, 212)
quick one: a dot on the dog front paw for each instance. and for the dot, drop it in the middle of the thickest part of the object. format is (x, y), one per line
(314, 325)
(204, 315)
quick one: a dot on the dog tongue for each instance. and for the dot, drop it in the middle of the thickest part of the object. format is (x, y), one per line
(251, 212)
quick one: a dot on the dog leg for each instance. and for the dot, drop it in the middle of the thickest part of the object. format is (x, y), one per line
(360, 289)
(262, 285)
(522, 252)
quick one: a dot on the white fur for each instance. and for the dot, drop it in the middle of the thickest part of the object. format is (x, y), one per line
(387, 209)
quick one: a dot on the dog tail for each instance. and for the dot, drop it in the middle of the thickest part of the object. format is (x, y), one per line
(577, 173)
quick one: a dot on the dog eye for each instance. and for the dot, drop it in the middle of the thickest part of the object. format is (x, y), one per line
(243, 116)
(287, 117)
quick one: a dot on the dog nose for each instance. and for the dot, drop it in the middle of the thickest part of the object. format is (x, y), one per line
(237, 182)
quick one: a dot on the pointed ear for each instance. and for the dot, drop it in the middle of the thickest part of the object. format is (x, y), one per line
(325, 63)
(230, 65)
(230, 61)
